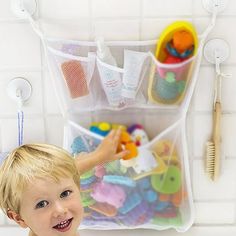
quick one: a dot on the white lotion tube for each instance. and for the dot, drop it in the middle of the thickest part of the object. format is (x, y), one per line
(133, 62)
(111, 79)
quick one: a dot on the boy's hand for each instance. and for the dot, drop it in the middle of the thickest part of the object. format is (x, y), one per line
(107, 150)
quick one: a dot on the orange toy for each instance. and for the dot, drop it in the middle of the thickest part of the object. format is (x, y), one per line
(176, 198)
(126, 143)
(182, 40)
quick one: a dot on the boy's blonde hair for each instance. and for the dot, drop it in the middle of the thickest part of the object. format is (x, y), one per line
(29, 162)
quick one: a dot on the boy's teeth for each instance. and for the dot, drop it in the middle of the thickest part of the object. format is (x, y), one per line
(63, 224)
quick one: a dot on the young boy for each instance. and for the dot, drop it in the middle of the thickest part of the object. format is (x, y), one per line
(39, 185)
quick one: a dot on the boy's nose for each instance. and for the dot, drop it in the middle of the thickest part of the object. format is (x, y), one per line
(59, 209)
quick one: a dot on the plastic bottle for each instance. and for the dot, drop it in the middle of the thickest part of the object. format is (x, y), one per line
(110, 78)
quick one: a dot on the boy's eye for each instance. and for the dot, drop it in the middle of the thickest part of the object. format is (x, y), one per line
(41, 204)
(65, 193)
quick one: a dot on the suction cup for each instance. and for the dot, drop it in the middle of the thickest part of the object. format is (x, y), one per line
(19, 89)
(209, 5)
(216, 51)
(21, 8)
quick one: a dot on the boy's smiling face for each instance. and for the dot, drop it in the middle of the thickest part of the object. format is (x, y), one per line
(49, 208)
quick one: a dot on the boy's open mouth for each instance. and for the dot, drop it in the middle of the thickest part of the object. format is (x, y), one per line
(64, 225)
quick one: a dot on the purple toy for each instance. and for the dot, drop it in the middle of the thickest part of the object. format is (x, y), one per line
(109, 193)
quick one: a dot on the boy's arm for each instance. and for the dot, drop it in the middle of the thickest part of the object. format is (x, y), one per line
(31, 233)
(105, 152)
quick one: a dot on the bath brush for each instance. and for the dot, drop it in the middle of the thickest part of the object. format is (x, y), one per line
(215, 51)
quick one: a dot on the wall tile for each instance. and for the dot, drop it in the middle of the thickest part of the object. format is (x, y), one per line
(222, 189)
(61, 9)
(228, 130)
(19, 46)
(214, 213)
(54, 130)
(200, 10)
(51, 102)
(5, 10)
(158, 8)
(152, 28)
(202, 130)
(34, 131)
(204, 91)
(114, 8)
(2, 218)
(229, 89)
(124, 30)
(67, 29)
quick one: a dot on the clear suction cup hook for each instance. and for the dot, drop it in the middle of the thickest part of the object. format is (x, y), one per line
(20, 90)
(210, 5)
(21, 8)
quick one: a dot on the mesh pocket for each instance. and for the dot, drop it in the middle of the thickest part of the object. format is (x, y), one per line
(72, 77)
(149, 191)
(168, 83)
(125, 87)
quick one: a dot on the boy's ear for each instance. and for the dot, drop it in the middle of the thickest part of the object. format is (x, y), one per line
(17, 218)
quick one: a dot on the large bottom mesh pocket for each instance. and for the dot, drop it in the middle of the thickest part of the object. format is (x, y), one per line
(149, 191)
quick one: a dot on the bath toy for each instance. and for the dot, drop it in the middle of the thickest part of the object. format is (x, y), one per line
(127, 143)
(172, 60)
(79, 145)
(144, 184)
(177, 43)
(120, 180)
(97, 216)
(104, 209)
(150, 196)
(116, 168)
(181, 45)
(101, 128)
(145, 161)
(138, 134)
(166, 150)
(131, 202)
(160, 168)
(175, 199)
(139, 215)
(161, 206)
(168, 182)
(87, 174)
(109, 193)
(88, 180)
(175, 221)
(87, 200)
(100, 171)
(169, 212)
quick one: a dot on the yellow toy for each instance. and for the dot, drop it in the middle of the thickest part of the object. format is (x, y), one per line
(170, 77)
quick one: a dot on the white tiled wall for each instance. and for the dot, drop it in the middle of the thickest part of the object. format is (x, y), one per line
(21, 55)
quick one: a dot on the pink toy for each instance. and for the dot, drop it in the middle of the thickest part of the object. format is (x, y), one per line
(138, 135)
(109, 193)
(100, 171)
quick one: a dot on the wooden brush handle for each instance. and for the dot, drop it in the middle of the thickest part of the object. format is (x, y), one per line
(216, 136)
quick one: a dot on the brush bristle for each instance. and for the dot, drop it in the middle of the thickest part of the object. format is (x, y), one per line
(210, 159)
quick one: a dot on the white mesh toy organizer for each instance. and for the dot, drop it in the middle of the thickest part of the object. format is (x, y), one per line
(152, 190)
